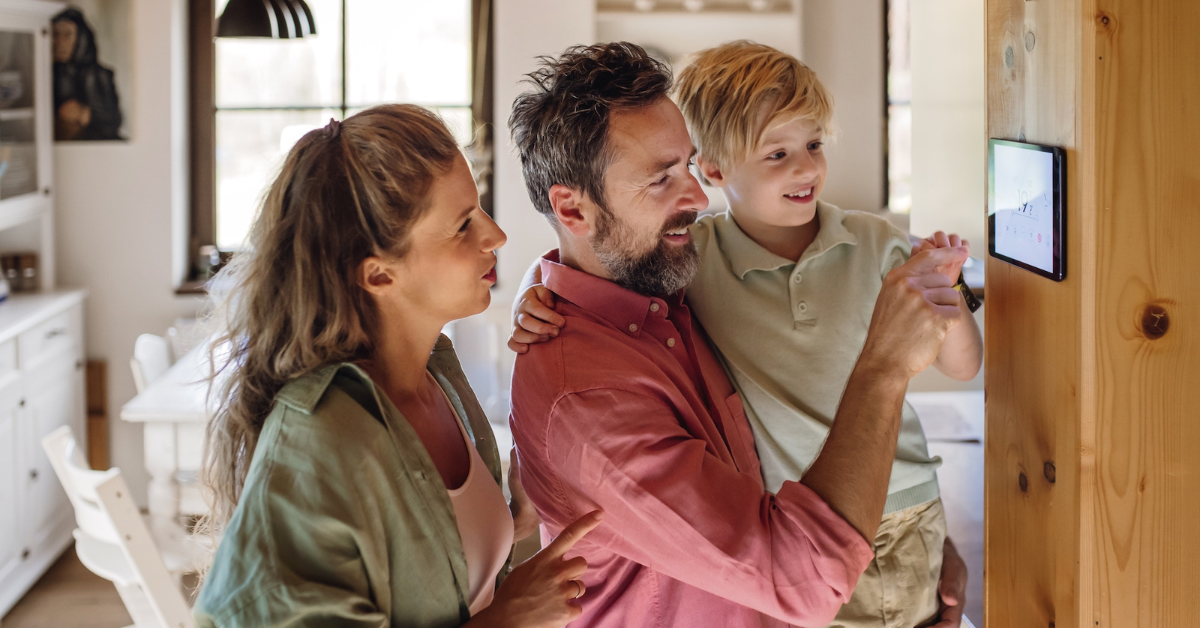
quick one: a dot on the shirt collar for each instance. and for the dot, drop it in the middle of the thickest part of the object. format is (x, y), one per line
(622, 308)
(745, 255)
(305, 392)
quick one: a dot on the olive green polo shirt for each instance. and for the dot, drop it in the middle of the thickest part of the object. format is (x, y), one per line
(790, 331)
(344, 519)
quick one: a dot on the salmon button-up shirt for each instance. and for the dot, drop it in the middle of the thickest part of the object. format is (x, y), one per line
(628, 410)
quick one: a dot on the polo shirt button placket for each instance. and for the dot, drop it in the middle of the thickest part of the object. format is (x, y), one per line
(653, 307)
(670, 342)
(633, 328)
(802, 307)
(797, 278)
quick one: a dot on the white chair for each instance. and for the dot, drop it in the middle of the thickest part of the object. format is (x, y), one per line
(151, 358)
(112, 539)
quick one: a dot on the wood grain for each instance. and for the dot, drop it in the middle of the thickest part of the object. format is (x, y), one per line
(1147, 92)
(1096, 374)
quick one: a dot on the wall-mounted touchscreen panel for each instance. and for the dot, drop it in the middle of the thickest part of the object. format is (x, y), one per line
(1026, 206)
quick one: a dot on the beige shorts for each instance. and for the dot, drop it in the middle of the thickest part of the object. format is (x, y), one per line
(899, 587)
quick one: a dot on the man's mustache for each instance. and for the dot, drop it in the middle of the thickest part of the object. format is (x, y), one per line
(682, 221)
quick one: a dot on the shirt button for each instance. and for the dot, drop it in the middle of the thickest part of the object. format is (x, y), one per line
(802, 307)
(797, 278)
(633, 327)
(670, 342)
(653, 307)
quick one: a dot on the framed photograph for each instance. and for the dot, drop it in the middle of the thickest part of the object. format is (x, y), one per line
(92, 70)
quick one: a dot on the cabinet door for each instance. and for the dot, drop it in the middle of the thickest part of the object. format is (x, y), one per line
(11, 472)
(53, 399)
(24, 109)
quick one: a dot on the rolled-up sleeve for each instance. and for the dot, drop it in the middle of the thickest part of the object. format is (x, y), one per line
(674, 506)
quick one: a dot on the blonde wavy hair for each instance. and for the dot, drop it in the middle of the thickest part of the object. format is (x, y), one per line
(344, 193)
(732, 93)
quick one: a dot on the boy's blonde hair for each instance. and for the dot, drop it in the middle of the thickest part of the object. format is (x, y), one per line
(724, 91)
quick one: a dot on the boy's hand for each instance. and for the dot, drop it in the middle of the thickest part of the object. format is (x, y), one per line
(940, 240)
(534, 318)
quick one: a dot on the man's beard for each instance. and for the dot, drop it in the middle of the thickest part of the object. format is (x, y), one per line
(659, 272)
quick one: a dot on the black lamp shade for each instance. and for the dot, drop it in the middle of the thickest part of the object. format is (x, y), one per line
(270, 19)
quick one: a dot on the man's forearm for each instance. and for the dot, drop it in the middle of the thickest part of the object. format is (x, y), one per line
(851, 474)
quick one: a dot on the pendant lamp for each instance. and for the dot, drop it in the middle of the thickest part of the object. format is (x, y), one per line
(270, 19)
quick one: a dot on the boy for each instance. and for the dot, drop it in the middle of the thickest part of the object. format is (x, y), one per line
(785, 290)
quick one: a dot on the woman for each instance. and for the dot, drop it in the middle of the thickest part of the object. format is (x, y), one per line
(355, 478)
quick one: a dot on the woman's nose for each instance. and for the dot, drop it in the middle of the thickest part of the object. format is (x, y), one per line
(495, 237)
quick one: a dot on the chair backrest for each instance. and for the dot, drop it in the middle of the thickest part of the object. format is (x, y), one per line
(113, 541)
(151, 358)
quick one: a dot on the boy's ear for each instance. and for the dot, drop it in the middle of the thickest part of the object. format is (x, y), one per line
(710, 171)
(569, 209)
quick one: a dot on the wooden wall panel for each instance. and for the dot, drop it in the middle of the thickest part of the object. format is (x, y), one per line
(1147, 61)
(1098, 376)
(1033, 352)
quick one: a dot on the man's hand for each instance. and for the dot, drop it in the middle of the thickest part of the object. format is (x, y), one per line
(916, 308)
(940, 240)
(952, 587)
(525, 517)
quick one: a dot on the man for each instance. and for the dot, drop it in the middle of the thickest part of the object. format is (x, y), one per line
(628, 410)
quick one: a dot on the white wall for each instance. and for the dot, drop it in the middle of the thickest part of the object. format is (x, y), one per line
(122, 218)
(948, 119)
(525, 29)
(843, 43)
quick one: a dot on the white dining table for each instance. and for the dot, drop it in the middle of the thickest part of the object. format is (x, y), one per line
(174, 413)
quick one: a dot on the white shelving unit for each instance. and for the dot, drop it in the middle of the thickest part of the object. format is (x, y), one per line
(41, 332)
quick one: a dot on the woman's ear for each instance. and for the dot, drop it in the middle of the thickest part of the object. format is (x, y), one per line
(375, 276)
(569, 209)
(711, 172)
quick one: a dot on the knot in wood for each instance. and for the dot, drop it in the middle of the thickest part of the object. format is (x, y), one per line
(1023, 482)
(1050, 472)
(1155, 321)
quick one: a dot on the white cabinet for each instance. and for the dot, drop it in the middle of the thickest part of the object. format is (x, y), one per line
(41, 391)
(41, 333)
(10, 479)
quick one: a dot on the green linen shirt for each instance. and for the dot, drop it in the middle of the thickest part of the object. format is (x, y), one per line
(344, 519)
(790, 331)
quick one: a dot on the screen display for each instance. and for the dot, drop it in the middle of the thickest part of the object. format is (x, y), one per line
(1024, 205)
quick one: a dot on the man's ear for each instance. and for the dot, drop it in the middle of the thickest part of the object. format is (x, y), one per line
(375, 276)
(569, 209)
(711, 172)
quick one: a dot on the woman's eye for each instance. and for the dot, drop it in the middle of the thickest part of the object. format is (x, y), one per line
(662, 180)
(464, 226)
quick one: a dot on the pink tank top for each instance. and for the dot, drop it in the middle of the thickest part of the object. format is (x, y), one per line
(485, 525)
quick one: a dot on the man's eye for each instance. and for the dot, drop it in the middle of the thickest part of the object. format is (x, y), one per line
(464, 226)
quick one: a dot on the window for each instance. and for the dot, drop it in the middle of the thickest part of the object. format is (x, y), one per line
(254, 98)
(899, 108)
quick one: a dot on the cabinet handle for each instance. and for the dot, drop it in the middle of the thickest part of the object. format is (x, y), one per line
(22, 403)
(25, 553)
(33, 474)
(56, 332)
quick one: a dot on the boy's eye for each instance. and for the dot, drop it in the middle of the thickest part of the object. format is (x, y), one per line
(777, 155)
(816, 145)
(464, 226)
